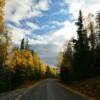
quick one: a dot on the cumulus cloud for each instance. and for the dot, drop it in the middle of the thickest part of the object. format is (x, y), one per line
(65, 33)
(42, 5)
(17, 34)
(57, 23)
(16, 11)
(38, 41)
(87, 6)
(33, 26)
(86, 1)
(57, 37)
(34, 13)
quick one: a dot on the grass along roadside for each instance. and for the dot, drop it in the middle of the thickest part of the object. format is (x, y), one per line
(89, 87)
(73, 90)
(27, 84)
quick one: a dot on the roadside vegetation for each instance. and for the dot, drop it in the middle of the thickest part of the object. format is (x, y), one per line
(20, 66)
(80, 64)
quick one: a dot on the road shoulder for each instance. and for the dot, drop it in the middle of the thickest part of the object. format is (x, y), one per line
(74, 91)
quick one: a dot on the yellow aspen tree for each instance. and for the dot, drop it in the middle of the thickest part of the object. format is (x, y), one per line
(2, 2)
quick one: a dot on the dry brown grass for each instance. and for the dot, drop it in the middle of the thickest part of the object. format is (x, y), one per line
(89, 87)
(27, 84)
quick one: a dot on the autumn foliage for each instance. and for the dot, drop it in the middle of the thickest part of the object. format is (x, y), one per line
(1, 15)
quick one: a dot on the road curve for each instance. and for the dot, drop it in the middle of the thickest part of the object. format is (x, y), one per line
(47, 90)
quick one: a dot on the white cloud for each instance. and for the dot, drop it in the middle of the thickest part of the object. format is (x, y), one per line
(63, 11)
(33, 26)
(57, 23)
(34, 13)
(17, 10)
(33, 41)
(17, 34)
(65, 33)
(38, 39)
(42, 5)
(58, 37)
(87, 6)
(86, 1)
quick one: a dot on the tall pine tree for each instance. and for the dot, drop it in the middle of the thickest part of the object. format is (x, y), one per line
(27, 45)
(98, 44)
(22, 46)
(81, 54)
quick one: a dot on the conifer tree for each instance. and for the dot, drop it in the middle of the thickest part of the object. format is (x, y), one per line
(98, 44)
(81, 50)
(22, 46)
(27, 45)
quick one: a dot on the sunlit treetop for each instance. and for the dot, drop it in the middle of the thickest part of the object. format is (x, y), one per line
(2, 2)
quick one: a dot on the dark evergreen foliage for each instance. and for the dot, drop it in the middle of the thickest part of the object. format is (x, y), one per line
(22, 46)
(85, 61)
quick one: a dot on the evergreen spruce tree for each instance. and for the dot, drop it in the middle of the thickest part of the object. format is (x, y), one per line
(92, 37)
(98, 44)
(27, 45)
(92, 41)
(81, 54)
(22, 47)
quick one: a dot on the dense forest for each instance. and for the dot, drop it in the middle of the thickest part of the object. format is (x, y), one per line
(81, 56)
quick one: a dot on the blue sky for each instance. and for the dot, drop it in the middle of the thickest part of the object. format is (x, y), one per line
(46, 23)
